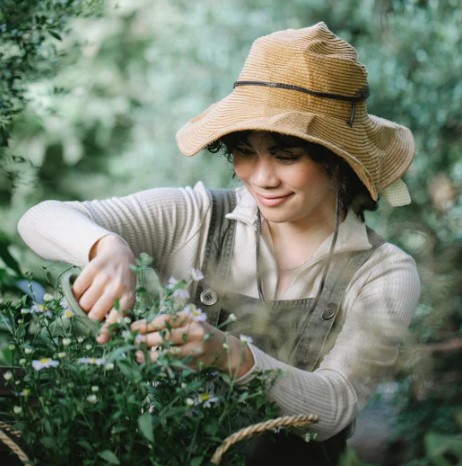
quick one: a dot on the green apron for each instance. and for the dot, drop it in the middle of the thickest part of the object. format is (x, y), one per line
(298, 332)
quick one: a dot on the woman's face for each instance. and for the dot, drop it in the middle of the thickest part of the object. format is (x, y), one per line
(287, 185)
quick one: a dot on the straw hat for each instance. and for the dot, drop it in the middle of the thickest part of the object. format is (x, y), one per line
(309, 83)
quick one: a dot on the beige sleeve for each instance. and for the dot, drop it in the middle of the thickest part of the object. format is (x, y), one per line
(161, 222)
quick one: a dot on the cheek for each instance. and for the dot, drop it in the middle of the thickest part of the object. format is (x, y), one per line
(305, 177)
(242, 168)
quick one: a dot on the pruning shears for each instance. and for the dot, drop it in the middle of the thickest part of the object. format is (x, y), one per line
(80, 320)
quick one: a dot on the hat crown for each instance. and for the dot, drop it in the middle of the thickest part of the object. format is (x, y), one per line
(311, 57)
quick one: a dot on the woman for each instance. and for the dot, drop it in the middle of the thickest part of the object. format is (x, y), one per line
(325, 298)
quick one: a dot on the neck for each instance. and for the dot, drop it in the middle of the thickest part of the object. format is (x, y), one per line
(295, 243)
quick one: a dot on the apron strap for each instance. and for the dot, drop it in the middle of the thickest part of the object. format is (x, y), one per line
(217, 257)
(312, 341)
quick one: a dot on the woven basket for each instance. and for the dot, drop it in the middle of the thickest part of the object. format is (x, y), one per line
(9, 437)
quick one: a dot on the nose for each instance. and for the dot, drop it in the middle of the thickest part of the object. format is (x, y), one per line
(264, 174)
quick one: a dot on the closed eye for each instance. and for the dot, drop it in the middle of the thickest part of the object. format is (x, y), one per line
(287, 156)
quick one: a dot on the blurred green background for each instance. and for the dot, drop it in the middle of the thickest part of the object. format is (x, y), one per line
(92, 93)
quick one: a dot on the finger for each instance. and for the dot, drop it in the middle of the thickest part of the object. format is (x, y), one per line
(139, 356)
(91, 295)
(159, 323)
(151, 340)
(104, 333)
(108, 300)
(153, 355)
(113, 317)
(82, 282)
(177, 336)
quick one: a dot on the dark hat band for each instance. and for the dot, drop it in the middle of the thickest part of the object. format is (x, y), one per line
(358, 97)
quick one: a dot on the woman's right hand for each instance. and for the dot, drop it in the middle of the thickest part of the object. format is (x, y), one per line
(107, 278)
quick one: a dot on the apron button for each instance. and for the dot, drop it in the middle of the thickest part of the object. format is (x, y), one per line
(329, 312)
(208, 297)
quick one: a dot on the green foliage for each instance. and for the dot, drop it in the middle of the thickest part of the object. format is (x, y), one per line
(76, 402)
(444, 450)
(30, 30)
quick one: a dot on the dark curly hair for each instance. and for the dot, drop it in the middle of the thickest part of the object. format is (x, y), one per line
(352, 192)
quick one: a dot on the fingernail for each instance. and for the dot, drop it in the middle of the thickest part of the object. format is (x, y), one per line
(139, 357)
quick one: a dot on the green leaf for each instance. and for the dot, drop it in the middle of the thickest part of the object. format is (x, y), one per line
(84, 444)
(48, 442)
(197, 461)
(7, 258)
(437, 445)
(129, 371)
(54, 34)
(145, 426)
(109, 457)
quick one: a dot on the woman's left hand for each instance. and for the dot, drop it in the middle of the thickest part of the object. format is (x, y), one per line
(206, 345)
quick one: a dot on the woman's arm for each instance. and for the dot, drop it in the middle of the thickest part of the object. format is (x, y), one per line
(157, 221)
(104, 237)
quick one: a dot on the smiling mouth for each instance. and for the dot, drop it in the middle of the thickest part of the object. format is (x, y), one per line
(272, 201)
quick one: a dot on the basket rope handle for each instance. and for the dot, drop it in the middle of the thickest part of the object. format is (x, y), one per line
(300, 420)
(10, 443)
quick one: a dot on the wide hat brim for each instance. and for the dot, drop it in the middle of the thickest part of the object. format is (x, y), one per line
(378, 150)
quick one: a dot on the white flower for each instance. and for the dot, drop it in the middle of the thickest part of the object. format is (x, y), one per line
(47, 297)
(17, 410)
(195, 313)
(68, 314)
(94, 388)
(245, 339)
(197, 275)
(109, 366)
(126, 334)
(189, 401)
(127, 320)
(225, 345)
(206, 400)
(22, 361)
(88, 347)
(80, 339)
(232, 317)
(25, 311)
(92, 398)
(67, 341)
(44, 363)
(40, 309)
(28, 350)
(8, 375)
(25, 392)
(12, 347)
(92, 361)
(61, 355)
